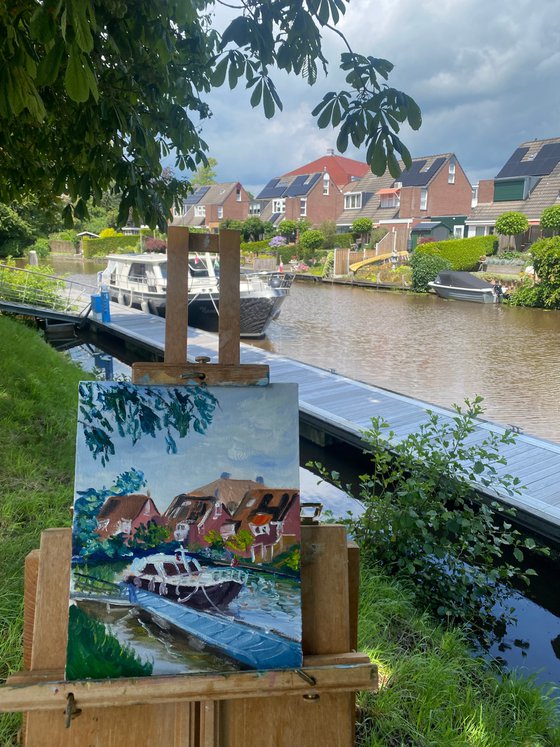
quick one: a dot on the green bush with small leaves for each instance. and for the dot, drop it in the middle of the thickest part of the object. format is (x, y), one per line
(425, 269)
(111, 245)
(464, 254)
(550, 219)
(512, 223)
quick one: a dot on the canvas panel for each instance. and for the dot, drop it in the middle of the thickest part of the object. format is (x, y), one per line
(186, 534)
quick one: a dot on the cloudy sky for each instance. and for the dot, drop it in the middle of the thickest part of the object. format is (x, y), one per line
(486, 74)
(251, 435)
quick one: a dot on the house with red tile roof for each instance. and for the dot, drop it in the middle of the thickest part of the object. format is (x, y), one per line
(341, 170)
(123, 514)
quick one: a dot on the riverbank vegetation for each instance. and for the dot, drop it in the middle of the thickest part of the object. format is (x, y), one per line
(433, 691)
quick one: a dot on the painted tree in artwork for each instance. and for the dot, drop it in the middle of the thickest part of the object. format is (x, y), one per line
(131, 412)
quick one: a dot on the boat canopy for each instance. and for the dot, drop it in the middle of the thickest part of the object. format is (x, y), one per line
(456, 279)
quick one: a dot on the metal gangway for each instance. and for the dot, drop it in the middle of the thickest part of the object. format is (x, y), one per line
(39, 294)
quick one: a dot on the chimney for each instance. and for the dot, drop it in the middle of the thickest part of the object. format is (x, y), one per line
(330, 151)
(225, 475)
(260, 479)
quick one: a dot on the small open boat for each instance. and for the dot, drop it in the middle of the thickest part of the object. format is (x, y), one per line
(181, 578)
(462, 286)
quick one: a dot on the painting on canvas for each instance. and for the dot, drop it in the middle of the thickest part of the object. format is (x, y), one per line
(186, 535)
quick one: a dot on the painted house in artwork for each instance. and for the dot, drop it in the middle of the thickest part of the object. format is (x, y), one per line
(272, 517)
(228, 506)
(123, 514)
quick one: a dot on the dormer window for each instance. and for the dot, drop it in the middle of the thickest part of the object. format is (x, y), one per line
(200, 211)
(326, 183)
(353, 201)
(279, 205)
(451, 173)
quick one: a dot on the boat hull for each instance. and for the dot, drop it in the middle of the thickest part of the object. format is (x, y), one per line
(256, 312)
(199, 597)
(464, 294)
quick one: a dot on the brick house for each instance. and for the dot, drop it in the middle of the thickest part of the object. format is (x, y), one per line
(272, 517)
(190, 516)
(208, 206)
(434, 190)
(123, 514)
(312, 191)
(528, 183)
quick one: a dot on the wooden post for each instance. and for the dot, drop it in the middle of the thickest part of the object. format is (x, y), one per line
(176, 313)
(229, 297)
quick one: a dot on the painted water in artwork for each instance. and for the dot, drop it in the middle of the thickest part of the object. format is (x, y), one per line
(186, 535)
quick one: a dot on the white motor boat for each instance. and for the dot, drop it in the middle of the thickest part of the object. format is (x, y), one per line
(140, 280)
(462, 286)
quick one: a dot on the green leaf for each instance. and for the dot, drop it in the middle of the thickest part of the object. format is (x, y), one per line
(49, 66)
(478, 468)
(219, 73)
(378, 160)
(257, 94)
(81, 25)
(239, 32)
(268, 103)
(518, 555)
(76, 78)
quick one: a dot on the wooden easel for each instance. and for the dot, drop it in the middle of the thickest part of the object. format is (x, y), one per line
(311, 707)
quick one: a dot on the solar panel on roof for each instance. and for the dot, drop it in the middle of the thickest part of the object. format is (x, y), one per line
(301, 185)
(196, 196)
(545, 161)
(274, 188)
(416, 177)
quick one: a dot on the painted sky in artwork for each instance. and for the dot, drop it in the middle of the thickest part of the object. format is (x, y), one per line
(254, 432)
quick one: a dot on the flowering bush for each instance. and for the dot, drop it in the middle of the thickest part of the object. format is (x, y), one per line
(277, 241)
(154, 245)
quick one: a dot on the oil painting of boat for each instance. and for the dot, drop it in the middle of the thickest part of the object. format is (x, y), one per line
(463, 286)
(186, 535)
(140, 281)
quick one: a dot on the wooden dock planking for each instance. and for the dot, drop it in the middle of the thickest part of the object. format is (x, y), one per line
(344, 408)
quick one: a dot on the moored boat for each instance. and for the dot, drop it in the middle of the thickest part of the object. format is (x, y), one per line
(140, 281)
(463, 286)
(182, 579)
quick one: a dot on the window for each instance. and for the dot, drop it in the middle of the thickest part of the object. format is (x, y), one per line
(279, 206)
(326, 184)
(423, 199)
(260, 529)
(217, 509)
(458, 232)
(137, 272)
(353, 201)
(451, 173)
(303, 207)
(474, 196)
(102, 524)
(238, 194)
(220, 213)
(255, 208)
(124, 526)
(389, 201)
(200, 211)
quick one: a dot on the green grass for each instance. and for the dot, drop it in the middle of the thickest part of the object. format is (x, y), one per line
(434, 692)
(38, 407)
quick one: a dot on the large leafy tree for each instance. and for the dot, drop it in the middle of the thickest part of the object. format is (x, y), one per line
(205, 174)
(93, 93)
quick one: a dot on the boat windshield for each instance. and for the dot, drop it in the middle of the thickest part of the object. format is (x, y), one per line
(163, 270)
(198, 267)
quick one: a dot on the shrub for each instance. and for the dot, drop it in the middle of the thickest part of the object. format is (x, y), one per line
(157, 246)
(15, 233)
(344, 240)
(424, 523)
(277, 241)
(254, 247)
(328, 267)
(288, 229)
(37, 287)
(550, 219)
(310, 242)
(511, 224)
(108, 233)
(41, 246)
(362, 226)
(112, 245)
(425, 268)
(464, 254)
(546, 262)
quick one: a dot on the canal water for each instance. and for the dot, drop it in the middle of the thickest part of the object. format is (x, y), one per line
(441, 352)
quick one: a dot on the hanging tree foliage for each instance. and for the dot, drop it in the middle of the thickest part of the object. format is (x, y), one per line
(93, 93)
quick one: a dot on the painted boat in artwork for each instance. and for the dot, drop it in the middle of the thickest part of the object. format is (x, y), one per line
(183, 580)
(254, 647)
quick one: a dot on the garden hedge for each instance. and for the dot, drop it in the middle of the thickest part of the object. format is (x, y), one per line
(255, 246)
(111, 245)
(464, 254)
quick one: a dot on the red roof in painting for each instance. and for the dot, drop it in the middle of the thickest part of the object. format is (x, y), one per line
(341, 170)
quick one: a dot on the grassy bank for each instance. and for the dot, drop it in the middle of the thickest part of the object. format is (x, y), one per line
(434, 693)
(38, 405)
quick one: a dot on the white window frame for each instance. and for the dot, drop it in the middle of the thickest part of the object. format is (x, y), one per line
(303, 207)
(238, 194)
(326, 184)
(200, 211)
(279, 205)
(389, 201)
(458, 232)
(451, 173)
(220, 213)
(474, 196)
(423, 198)
(353, 201)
